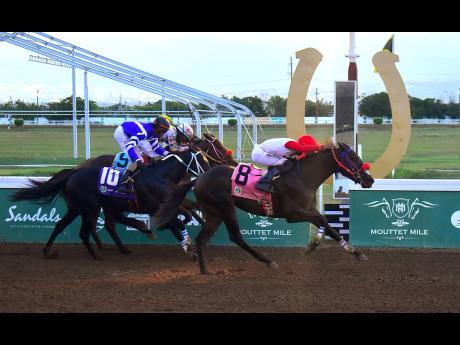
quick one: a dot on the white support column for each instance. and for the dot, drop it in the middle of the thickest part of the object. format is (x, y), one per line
(221, 126)
(163, 101)
(254, 129)
(320, 199)
(74, 116)
(87, 133)
(238, 136)
(196, 114)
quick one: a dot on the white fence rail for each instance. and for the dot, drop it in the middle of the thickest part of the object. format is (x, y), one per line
(115, 119)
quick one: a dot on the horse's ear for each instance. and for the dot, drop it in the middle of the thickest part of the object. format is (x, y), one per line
(342, 146)
(207, 136)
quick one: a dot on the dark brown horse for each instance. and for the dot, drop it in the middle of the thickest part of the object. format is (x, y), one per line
(294, 199)
(154, 184)
(211, 147)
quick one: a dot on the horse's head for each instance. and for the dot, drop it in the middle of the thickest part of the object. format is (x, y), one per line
(215, 150)
(350, 165)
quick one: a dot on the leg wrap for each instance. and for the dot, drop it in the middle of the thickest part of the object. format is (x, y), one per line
(320, 234)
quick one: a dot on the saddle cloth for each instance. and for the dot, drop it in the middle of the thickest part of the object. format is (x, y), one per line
(244, 179)
(108, 182)
(121, 161)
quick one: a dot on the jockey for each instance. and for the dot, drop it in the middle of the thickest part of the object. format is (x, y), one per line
(178, 137)
(275, 153)
(130, 133)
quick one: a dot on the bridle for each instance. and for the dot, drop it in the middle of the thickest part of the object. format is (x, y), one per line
(351, 169)
(221, 156)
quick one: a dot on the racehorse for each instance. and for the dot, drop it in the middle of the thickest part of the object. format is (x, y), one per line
(214, 151)
(294, 199)
(153, 185)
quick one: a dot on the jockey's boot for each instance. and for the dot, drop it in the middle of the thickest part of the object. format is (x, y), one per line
(126, 184)
(265, 182)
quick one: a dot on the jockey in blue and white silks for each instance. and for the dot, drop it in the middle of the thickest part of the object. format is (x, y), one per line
(134, 136)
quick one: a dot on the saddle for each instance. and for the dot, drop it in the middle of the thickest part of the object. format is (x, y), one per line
(244, 179)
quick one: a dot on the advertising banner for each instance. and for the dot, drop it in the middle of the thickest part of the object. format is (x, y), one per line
(32, 223)
(405, 218)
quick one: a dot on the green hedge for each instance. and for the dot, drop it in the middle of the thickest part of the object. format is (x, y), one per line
(18, 122)
(378, 120)
(232, 122)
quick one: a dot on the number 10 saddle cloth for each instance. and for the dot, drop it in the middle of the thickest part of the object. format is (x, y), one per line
(244, 179)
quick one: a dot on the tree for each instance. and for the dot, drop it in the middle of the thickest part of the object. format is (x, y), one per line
(324, 108)
(376, 105)
(276, 106)
(66, 104)
(254, 103)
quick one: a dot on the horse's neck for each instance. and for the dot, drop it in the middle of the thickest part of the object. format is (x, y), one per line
(316, 169)
(172, 169)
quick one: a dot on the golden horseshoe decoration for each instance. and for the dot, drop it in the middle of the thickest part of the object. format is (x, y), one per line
(384, 62)
(295, 106)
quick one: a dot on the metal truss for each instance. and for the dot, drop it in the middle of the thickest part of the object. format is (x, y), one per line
(72, 55)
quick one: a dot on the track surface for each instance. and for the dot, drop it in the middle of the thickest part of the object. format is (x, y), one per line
(163, 279)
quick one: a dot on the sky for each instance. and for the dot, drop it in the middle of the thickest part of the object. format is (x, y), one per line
(235, 64)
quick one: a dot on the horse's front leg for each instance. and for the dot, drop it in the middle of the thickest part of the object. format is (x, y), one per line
(320, 221)
(136, 224)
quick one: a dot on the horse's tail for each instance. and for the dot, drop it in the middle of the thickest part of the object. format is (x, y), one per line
(169, 207)
(43, 192)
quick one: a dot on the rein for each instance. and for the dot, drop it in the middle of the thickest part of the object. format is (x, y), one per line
(355, 171)
(343, 154)
(199, 168)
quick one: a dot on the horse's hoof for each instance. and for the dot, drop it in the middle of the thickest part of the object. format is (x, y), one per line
(310, 248)
(50, 255)
(205, 272)
(273, 265)
(151, 235)
(126, 251)
(362, 257)
(97, 258)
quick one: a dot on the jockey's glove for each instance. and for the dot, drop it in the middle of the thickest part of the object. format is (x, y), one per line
(139, 165)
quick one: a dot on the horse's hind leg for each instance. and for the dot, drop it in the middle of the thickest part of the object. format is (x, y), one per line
(88, 226)
(109, 224)
(233, 228)
(68, 218)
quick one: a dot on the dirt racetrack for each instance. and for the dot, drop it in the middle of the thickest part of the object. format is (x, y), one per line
(164, 279)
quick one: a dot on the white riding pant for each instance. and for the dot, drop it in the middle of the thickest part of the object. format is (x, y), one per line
(266, 158)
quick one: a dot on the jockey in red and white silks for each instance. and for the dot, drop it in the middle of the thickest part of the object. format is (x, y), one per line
(275, 153)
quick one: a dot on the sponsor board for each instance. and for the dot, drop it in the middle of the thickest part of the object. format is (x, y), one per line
(392, 218)
(33, 223)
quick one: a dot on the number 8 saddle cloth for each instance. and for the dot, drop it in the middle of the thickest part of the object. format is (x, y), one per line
(244, 179)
